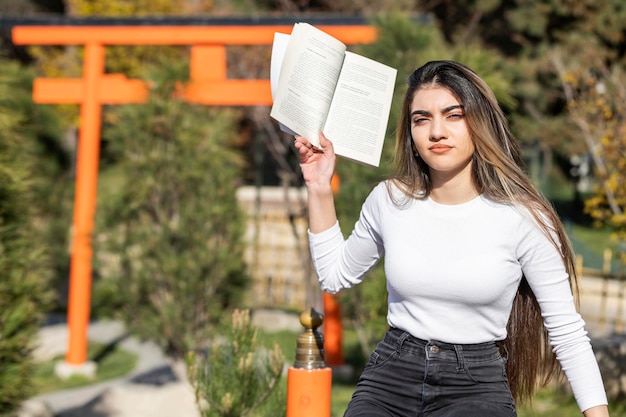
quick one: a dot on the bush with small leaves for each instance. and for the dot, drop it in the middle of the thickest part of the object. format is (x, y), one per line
(235, 376)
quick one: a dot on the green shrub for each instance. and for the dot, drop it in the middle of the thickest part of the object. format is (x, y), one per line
(236, 377)
(170, 248)
(24, 296)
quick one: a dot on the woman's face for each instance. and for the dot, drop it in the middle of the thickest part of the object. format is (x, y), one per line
(440, 133)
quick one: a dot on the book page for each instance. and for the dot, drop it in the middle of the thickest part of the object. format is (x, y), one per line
(357, 121)
(307, 80)
(279, 47)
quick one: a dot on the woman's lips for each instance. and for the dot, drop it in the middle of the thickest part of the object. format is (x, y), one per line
(440, 149)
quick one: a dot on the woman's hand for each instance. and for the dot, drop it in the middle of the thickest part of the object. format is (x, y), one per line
(317, 165)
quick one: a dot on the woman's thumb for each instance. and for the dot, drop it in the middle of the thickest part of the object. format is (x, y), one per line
(324, 141)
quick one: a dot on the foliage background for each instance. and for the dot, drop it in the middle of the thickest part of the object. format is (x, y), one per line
(171, 232)
(24, 274)
(557, 67)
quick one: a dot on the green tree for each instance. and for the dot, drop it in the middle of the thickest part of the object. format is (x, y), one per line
(170, 247)
(53, 169)
(528, 33)
(24, 292)
(235, 376)
(595, 95)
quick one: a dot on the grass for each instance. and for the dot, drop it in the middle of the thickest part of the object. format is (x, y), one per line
(597, 238)
(286, 339)
(341, 395)
(551, 403)
(111, 361)
(592, 242)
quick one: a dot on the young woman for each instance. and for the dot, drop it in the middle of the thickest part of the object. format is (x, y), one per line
(479, 268)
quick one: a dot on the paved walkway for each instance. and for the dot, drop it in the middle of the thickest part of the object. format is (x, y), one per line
(152, 389)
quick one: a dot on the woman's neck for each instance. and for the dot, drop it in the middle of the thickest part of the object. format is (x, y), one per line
(456, 189)
(443, 196)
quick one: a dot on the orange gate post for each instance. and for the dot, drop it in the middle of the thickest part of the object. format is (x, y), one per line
(333, 329)
(208, 85)
(85, 204)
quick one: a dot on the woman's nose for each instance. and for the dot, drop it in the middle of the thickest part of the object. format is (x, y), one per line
(437, 129)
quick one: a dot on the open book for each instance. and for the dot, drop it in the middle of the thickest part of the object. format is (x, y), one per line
(317, 85)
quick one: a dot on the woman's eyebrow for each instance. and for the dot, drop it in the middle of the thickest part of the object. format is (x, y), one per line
(451, 108)
(443, 111)
(420, 113)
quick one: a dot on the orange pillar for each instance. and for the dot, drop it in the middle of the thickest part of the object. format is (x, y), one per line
(333, 331)
(309, 392)
(84, 206)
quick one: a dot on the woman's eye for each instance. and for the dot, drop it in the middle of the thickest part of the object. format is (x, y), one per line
(419, 121)
(456, 116)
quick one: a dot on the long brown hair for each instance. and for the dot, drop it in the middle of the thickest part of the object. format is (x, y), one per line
(498, 173)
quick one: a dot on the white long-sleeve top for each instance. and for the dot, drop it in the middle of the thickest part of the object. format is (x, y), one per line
(452, 272)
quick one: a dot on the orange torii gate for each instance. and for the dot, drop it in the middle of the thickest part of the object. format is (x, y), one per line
(208, 84)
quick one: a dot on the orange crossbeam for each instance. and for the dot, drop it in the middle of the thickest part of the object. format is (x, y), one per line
(111, 89)
(229, 93)
(175, 35)
(208, 83)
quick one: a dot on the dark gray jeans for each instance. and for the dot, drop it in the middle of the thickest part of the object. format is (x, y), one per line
(409, 377)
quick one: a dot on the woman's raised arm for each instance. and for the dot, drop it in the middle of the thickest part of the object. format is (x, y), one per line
(317, 168)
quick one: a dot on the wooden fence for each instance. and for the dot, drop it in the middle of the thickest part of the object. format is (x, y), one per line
(278, 251)
(602, 296)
